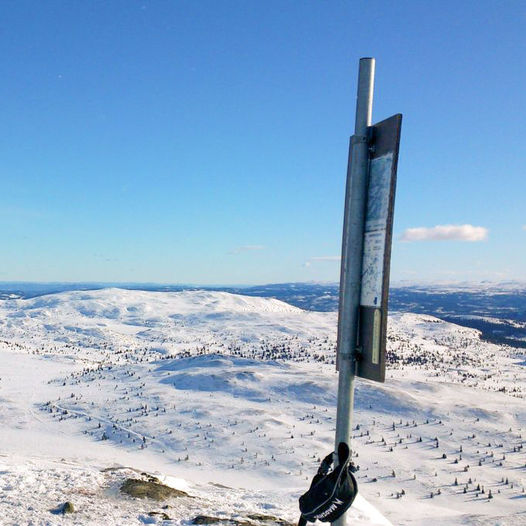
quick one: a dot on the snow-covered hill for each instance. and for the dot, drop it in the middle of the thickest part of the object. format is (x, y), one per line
(211, 387)
(158, 323)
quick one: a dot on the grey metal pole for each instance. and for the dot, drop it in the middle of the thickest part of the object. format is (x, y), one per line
(352, 251)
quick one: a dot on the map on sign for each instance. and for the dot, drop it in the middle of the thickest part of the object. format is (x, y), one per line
(376, 256)
(380, 176)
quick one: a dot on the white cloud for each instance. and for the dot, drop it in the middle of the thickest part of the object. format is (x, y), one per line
(524, 227)
(446, 233)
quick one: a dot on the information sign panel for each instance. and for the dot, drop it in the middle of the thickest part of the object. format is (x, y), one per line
(385, 140)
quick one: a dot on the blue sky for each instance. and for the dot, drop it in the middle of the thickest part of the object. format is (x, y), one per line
(206, 142)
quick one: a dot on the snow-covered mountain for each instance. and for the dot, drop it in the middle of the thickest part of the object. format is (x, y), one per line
(205, 387)
(160, 323)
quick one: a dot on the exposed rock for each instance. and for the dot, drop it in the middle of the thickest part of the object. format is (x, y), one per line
(160, 514)
(269, 519)
(143, 489)
(68, 507)
(62, 509)
(255, 519)
(205, 519)
(151, 478)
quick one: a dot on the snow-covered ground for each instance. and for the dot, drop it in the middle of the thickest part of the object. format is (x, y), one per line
(232, 399)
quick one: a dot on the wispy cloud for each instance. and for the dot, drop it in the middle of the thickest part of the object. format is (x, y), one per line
(446, 233)
(247, 248)
(524, 227)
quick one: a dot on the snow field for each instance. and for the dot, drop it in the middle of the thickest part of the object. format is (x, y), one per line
(212, 387)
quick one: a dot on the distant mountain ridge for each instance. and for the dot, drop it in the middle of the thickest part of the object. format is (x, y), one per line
(498, 310)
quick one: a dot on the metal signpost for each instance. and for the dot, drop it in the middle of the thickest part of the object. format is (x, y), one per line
(366, 251)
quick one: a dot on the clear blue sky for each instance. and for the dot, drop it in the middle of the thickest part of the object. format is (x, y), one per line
(206, 141)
